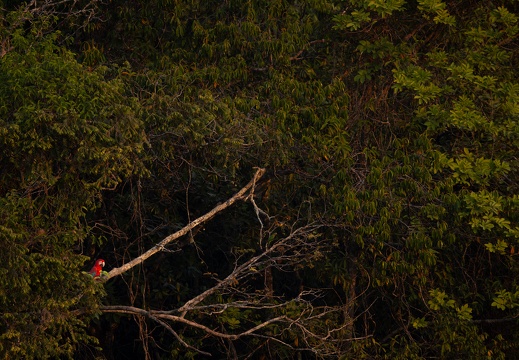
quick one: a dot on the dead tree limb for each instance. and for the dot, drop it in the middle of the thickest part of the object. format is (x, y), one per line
(160, 315)
(315, 327)
(243, 270)
(240, 195)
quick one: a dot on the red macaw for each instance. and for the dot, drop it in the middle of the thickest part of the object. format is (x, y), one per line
(97, 268)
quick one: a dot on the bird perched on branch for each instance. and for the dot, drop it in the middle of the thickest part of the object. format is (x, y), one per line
(97, 269)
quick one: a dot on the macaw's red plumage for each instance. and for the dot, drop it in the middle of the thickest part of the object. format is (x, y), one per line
(97, 268)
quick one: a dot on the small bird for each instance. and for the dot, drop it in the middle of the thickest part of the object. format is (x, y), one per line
(97, 268)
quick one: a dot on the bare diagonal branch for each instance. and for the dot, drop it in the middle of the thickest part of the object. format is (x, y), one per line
(240, 195)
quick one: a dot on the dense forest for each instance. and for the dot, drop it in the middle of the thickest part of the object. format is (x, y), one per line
(292, 179)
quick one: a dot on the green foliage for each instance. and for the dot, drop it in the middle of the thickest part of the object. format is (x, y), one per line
(392, 124)
(42, 291)
(506, 299)
(66, 134)
(447, 171)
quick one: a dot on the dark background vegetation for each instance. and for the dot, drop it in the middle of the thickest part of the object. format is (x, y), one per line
(389, 131)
